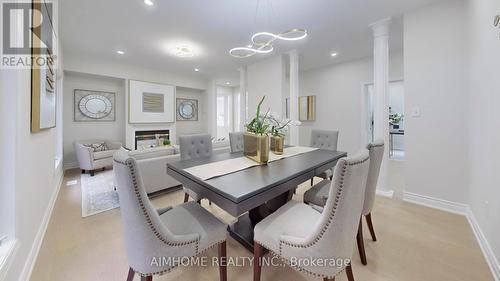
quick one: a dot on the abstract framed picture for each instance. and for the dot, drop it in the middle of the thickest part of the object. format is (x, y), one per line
(43, 73)
(150, 102)
(187, 109)
(94, 106)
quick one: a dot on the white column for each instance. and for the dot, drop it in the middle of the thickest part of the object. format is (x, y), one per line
(294, 96)
(381, 94)
(243, 98)
(212, 108)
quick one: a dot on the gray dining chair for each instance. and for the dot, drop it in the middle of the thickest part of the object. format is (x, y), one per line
(194, 147)
(319, 193)
(324, 139)
(327, 235)
(236, 141)
(151, 235)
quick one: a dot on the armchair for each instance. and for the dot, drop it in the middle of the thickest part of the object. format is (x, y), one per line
(91, 160)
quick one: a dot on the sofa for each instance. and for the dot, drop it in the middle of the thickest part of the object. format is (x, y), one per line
(95, 154)
(152, 164)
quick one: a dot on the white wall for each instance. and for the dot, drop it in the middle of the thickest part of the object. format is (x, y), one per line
(125, 71)
(339, 91)
(74, 131)
(436, 82)
(266, 78)
(484, 120)
(193, 127)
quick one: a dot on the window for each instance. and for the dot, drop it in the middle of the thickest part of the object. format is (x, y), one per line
(224, 112)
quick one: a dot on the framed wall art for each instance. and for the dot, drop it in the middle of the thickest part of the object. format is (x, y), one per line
(43, 71)
(187, 109)
(91, 106)
(150, 102)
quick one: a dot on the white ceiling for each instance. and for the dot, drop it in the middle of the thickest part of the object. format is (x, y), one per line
(97, 28)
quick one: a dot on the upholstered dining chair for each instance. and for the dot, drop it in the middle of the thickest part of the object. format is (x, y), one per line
(194, 147)
(324, 139)
(236, 141)
(153, 236)
(327, 235)
(319, 193)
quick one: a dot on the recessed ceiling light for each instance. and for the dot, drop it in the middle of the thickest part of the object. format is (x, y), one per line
(148, 2)
(227, 83)
(196, 69)
(120, 52)
(333, 54)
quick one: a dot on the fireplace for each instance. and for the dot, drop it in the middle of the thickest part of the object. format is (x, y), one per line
(151, 138)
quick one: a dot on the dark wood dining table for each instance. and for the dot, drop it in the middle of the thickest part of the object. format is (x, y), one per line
(254, 193)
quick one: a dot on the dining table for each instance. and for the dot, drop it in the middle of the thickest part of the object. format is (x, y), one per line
(253, 193)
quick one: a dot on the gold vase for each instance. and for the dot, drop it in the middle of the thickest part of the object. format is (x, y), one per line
(256, 147)
(277, 144)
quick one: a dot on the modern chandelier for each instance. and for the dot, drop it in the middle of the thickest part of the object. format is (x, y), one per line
(262, 42)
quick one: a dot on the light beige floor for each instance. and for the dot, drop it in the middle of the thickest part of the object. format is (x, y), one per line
(414, 243)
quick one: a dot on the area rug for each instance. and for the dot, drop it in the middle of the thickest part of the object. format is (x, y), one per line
(98, 194)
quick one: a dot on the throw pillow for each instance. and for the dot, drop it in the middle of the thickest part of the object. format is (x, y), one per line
(96, 147)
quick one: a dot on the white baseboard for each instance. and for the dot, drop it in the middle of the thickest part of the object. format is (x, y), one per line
(465, 210)
(440, 204)
(485, 245)
(35, 248)
(71, 165)
(385, 193)
(8, 256)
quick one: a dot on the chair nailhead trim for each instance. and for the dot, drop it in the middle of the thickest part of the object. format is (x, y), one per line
(331, 217)
(152, 227)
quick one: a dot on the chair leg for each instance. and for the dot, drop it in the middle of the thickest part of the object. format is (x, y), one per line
(312, 181)
(131, 274)
(92, 173)
(222, 262)
(146, 278)
(257, 254)
(361, 245)
(186, 197)
(209, 202)
(370, 226)
(348, 272)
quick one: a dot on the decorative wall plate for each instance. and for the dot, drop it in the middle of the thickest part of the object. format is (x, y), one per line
(94, 106)
(187, 109)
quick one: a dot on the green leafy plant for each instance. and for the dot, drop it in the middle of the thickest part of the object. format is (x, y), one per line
(166, 142)
(258, 125)
(395, 118)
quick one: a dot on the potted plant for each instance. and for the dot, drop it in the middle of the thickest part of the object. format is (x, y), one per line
(256, 140)
(279, 128)
(166, 142)
(394, 120)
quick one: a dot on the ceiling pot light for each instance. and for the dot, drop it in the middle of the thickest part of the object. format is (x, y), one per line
(148, 2)
(262, 42)
(120, 52)
(333, 54)
(196, 69)
(227, 83)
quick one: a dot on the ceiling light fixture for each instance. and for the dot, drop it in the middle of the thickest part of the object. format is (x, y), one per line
(120, 52)
(184, 52)
(333, 54)
(227, 83)
(196, 69)
(262, 42)
(148, 2)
